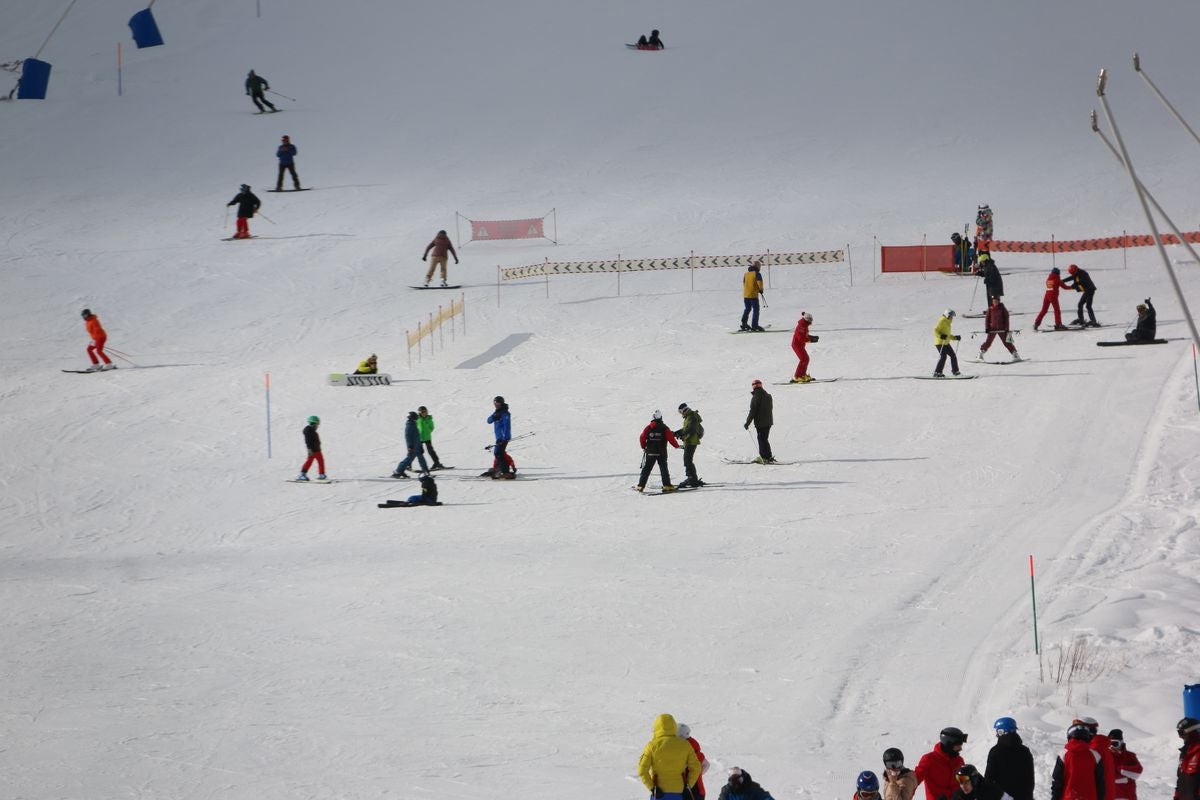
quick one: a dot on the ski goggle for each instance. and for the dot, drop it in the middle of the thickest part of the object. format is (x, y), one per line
(962, 779)
(894, 764)
(865, 795)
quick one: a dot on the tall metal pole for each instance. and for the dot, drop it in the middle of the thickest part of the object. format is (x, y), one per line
(1137, 67)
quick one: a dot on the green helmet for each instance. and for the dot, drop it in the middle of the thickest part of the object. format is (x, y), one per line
(314, 420)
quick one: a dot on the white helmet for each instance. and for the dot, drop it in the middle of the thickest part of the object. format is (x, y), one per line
(807, 317)
(949, 312)
(657, 414)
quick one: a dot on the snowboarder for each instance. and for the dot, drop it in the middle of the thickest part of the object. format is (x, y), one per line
(993, 282)
(312, 441)
(964, 254)
(255, 86)
(752, 287)
(248, 205)
(697, 792)
(501, 421)
(441, 245)
(937, 767)
(800, 338)
(412, 441)
(741, 786)
(899, 782)
(428, 495)
(983, 228)
(1009, 762)
(653, 43)
(942, 340)
(654, 440)
(762, 417)
(1081, 281)
(1147, 324)
(425, 428)
(1187, 774)
(1101, 744)
(973, 786)
(95, 330)
(867, 786)
(668, 764)
(286, 153)
(368, 367)
(690, 434)
(1079, 771)
(1129, 769)
(995, 324)
(1054, 282)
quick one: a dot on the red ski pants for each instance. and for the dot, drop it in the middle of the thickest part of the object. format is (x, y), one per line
(96, 348)
(320, 459)
(243, 228)
(1050, 299)
(1003, 338)
(801, 353)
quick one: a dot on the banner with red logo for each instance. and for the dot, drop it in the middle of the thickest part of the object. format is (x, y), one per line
(507, 229)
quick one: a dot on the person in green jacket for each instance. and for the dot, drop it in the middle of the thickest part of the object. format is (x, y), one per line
(944, 341)
(425, 429)
(690, 435)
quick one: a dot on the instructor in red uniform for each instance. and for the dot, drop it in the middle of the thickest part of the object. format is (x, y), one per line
(99, 337)
(799, 339)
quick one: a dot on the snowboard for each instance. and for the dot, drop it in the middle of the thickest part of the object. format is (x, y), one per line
(404, 504)
(643, 47)
(752, 461)
(236, 239)
(311, 480)
(814, 380)
(350, 379)
(945, 377)
(455, 286)
(1131, 344)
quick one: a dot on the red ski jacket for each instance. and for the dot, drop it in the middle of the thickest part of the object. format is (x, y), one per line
(667, 434)
(1078, 773)
(1103, 745)
(1187, 777)
(1128, 771)
(94, 329)
(936, 770)
(440, 246)
(996, 319)
(800, 337)
(1054, 282)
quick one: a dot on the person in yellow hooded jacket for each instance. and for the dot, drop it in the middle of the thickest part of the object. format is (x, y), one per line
(668, 763)
(368, 367)
(944, 341)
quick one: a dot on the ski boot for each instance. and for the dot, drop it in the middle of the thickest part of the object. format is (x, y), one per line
(743, 327)
(639, 488)
(1061, 328)
(107, 367)
(400, 474)
(667, 488)
(322, 477)
(487, 474)
(938, 375)
(758, 329)
(1016, 357)
(93, 368)
(443, 284)
(982, 354)
(302, 476)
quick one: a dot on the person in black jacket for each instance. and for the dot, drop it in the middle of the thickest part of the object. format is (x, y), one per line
(1147, 324)
(312, 443)
(762, 418)
(412, 441)
(654, 440)
(255, 86)
(993, 283)
(1082, 282)
(1009, 762)
(741, 786)
(248, 205)
(973, 786)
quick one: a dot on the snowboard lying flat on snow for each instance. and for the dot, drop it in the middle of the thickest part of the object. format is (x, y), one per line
(1130, 344)
(404, 504)
(455, 286)
(349, 379)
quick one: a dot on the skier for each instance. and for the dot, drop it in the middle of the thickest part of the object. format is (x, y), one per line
(1054, 282)
(248, 205)
(1101, 744)
(763, 417)
(800, 338)
(1187, 774)
(983, 228)
(654, 440)
(995, 323)
(425, 428)
(312, 441)
(899, 782)
(95, 330)
(973, 786)
(752, 287)
(412, 440)
(428, 495)
(508, 460)
(668, 764)
(368, 367)
(1129, 769)
(441, 245)
(741, 786)
(942, 338)
(936, 768)
(1079, 771)
(1079, 280)
(286, 153)
(255, 86)
(1147, 324)
(697, 792)
(993, 281)
(501, 421)
(1009, 762)
(867, 786)
(690, 434)
(964, 254)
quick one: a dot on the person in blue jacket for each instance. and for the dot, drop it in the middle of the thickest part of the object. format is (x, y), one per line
(412, 440)
(501, 421)
(286, 153)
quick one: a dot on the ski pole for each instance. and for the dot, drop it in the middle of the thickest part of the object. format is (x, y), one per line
(264, 216)
(515, 438)
(120, 355)
(763, 295)
(284, 96)
(973, 293)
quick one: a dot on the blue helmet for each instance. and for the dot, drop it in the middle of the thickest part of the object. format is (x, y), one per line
(868, 781)
(1004, 725)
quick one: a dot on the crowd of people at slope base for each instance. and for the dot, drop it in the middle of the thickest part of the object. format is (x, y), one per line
(1092, 766)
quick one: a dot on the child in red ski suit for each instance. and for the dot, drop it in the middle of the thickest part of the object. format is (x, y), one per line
(800, 338)
(1054, 282)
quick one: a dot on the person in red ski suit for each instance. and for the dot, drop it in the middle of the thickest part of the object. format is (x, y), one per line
(696, 792)
(1102, 745)
(1129, 769)
(1187, 776)
(1079, 771)
(937, 767)
(800, 338)
(1054, 282)
(95, 330)
(995, 323)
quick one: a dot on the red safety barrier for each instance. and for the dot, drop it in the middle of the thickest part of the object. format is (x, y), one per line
(1081, 245)
(918, 258)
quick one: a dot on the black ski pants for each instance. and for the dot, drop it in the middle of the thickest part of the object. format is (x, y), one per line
(1086, 302)
(945, 350)
(498, 453)
(284, 169)
(764, 446)
(648, 462)
(432, 453)
(689, 463)
(259, 101)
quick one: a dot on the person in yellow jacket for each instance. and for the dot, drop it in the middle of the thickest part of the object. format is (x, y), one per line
(368, 367)
(944, 340)
(752, 287)
(668, 764)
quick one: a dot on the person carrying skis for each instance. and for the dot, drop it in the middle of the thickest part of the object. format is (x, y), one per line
(1187, 774)
(899, 782)
(1147, 324)
(668, 764)
(752, 287)
(690, 434)
(1079, 771)
(1054, 282)
(943, 340)
(501, 421)
(654, 440)
(286, 153)
(425, 428)
(1081, 281)
(964, 254)
(741, 786)
(91, 323)
(1009, 762)
(248, 205)
(312, 441)
(697, 791)
(937, 767)
(1129, 769)
(762, 416)
(993, 282)
(368, 367)
(441, 245)
(412, 441)
(255, 86)
(800, 338)
(995, 324)
(973, 786)
(866, 786)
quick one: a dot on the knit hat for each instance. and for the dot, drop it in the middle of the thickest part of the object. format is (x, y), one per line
(1117, 735)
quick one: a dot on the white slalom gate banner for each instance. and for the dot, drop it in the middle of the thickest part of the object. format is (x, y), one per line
(682, 262)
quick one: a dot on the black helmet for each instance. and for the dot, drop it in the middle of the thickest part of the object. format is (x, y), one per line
(1080, 731)
(654, 32)
(245, 187)
(954, 237)
(893, 756)
(967, 771)
(1187, 725)
(951, 736)
(498, 399)
(87, 312)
